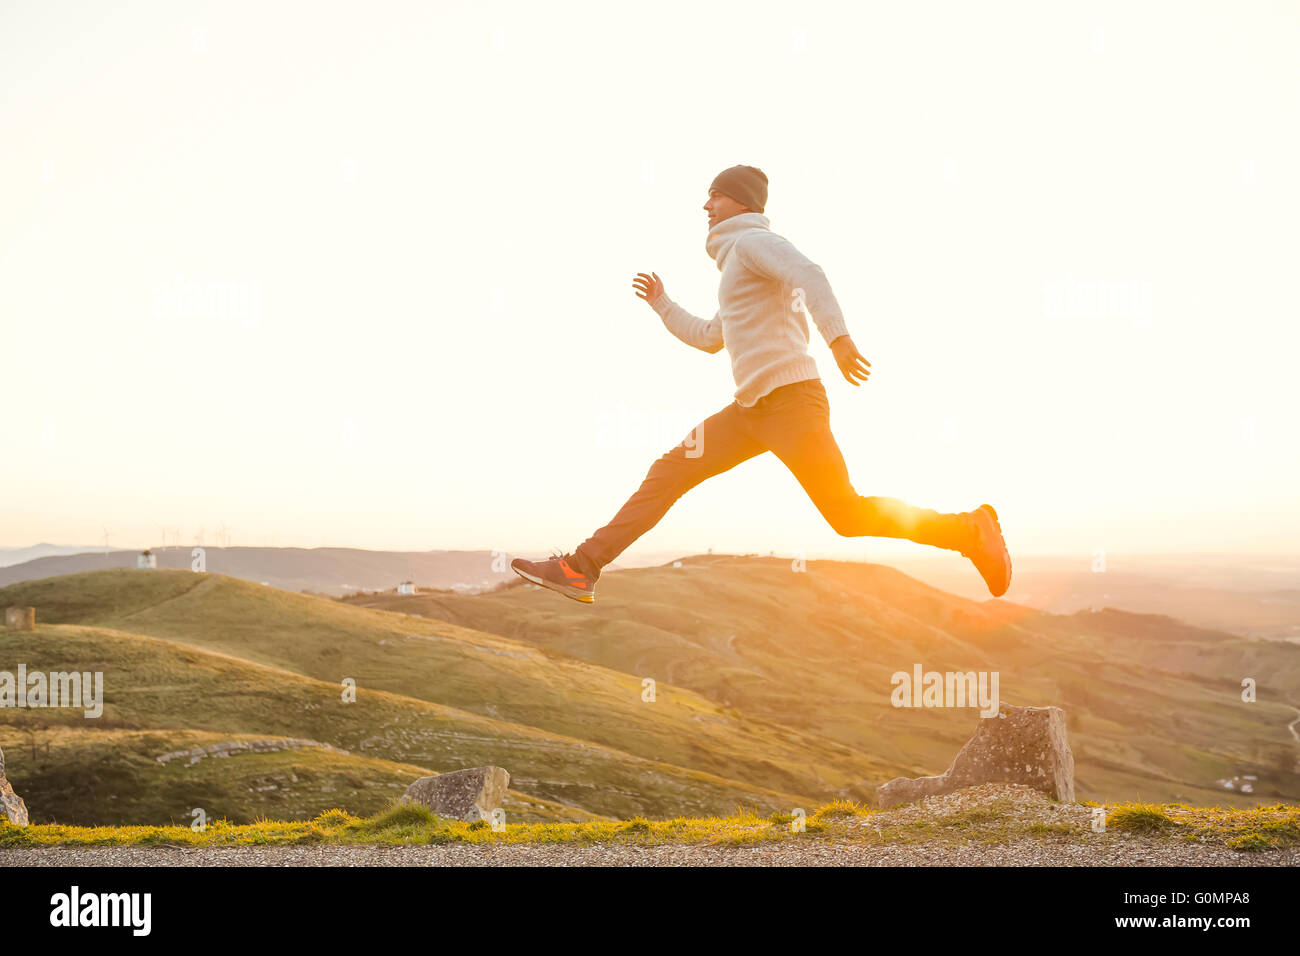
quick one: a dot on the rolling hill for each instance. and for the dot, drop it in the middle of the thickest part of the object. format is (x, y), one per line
(151, 683)
(1154, 705)
(772, 691)
(438, 662)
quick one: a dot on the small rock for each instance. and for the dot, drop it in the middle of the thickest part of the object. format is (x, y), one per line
(12, 807)
(467, 795)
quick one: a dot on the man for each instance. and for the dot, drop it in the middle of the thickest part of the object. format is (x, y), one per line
(767, 288)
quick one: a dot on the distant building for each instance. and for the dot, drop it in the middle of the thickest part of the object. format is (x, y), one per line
(146, 560)
(406, 587)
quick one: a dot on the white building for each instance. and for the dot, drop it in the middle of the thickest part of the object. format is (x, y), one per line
(406, 587)
(146, 560)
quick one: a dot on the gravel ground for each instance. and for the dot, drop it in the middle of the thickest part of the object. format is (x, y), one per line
(850, 841)
(1060, 851)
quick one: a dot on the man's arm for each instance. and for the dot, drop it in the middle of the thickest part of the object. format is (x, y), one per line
(691, 329)
(774, 256)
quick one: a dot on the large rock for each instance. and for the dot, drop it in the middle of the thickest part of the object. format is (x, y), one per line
(12, 807)
(462, 794)
(1020, 745)
(20, 618)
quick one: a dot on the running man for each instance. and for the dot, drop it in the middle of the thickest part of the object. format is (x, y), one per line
(767, 288)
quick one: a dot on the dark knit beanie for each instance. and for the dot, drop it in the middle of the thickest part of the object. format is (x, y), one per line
(745, 184)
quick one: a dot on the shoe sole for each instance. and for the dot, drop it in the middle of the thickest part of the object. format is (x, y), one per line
(568, 592)
(995, 527)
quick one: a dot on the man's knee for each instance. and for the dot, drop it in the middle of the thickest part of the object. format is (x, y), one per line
(844, 515)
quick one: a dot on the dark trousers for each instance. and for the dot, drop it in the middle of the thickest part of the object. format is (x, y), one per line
(793, 422)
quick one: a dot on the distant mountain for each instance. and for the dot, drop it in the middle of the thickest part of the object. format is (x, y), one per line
(1250, 595)
(324, 570)
(334, 571)
(12, 556)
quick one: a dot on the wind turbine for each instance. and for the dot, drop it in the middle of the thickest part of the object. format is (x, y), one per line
(163, 535)
(198, 538)
(222, 537)
(106, 536)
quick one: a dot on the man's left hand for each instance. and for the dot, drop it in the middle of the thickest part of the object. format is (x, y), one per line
(850, 360)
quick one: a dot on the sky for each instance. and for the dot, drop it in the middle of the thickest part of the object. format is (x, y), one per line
(360, 274)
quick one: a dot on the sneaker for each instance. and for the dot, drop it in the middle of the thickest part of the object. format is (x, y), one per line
(558, 573)
(987, 550)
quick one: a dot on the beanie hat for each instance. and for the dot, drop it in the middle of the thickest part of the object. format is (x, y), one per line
(745, 184)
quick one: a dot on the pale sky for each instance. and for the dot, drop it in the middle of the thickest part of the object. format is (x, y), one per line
(1063, 234)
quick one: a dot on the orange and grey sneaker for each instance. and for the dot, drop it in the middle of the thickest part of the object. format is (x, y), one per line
(987, 549)
(558, 573)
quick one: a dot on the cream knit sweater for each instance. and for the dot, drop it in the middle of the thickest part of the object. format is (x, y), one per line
(759, 322)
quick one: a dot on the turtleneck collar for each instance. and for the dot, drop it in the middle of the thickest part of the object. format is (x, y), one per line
(724, 235)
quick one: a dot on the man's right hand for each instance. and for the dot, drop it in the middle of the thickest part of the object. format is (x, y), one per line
(648, 287)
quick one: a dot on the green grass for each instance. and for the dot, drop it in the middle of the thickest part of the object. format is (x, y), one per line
(1276, 825)
(976, 817)
(1259, 830)
(1251, 842)
(1140, 818)
(398, 825)
(840, 809)
(1050, 829)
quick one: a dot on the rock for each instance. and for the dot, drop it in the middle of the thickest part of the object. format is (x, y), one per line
(12, 807)
(20, 618)
(1020, 745)
(467, 795)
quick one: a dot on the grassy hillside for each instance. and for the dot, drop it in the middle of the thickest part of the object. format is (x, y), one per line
(113, 777)
(1154, 706)
(464, 669)
(154, 684)
(773, 690)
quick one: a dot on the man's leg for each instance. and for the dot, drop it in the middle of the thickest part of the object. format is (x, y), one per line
(719, 443)
(794, 421)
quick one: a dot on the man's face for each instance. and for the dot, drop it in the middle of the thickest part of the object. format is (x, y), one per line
(720, 207)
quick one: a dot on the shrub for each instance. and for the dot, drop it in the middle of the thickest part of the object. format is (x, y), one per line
(1251, 842)
(1140, 818)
